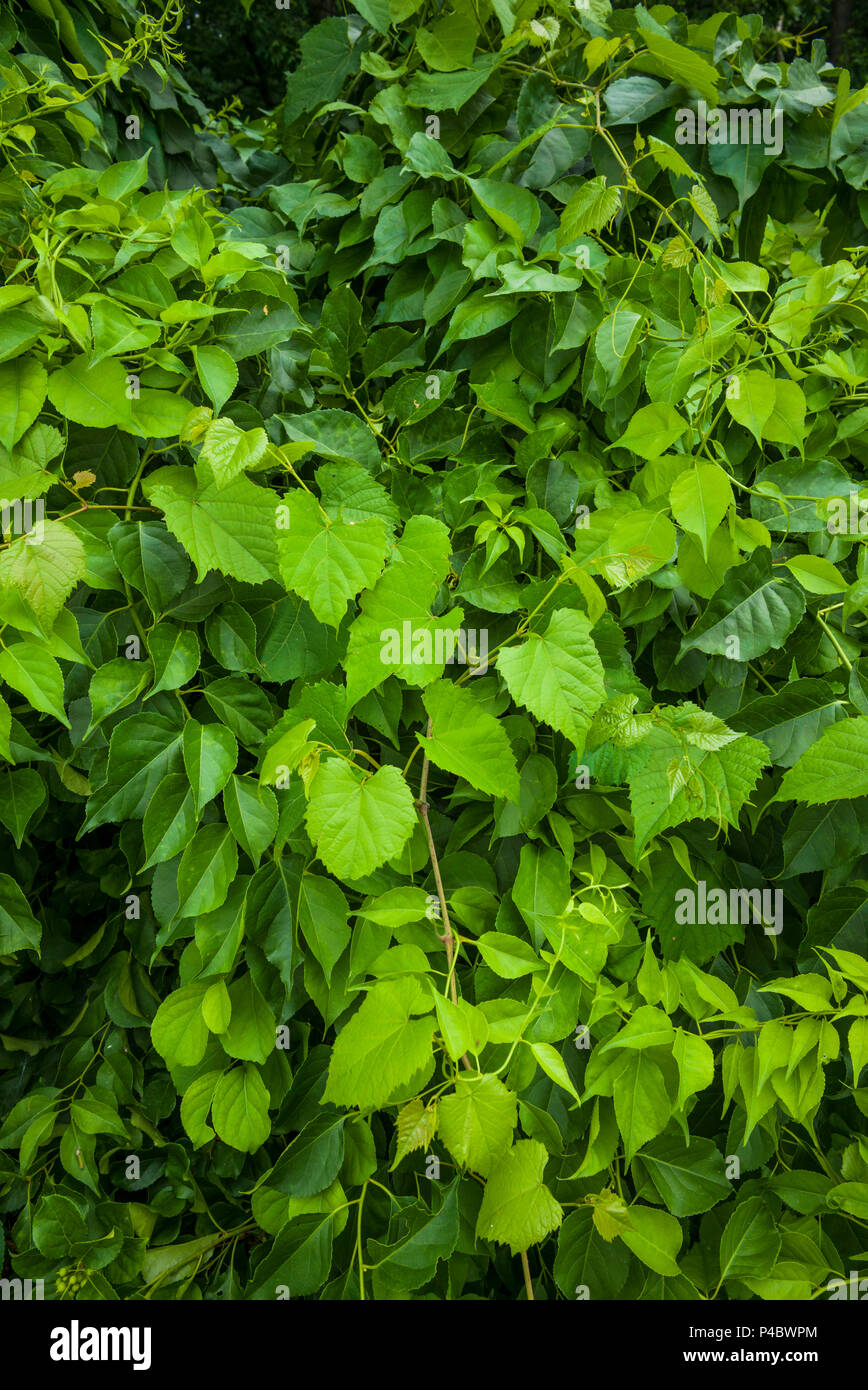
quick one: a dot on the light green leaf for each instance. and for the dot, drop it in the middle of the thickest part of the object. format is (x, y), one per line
(38, 572)
(327, 562)
(250, 1032)
(91, 395)
(230, 529)
(229, 450)
(403, 595)
(553, 1065)
(655, 1239)
(711, 784)
(239, 1111)
(816, 574)
(358, 821)
(835, 766)
(382, 1047)
(468, 741)
(217, 373)
(23, 383)
(178, 1031)
(652, 430)
(195, 1104)
(700, 498)
(476, 1122)
(35, 675)
(517, 1208)
(508, 956)
(557, 675)
(588, 210)
(511, 207)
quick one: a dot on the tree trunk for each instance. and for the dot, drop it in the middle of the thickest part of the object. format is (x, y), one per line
(842, 13)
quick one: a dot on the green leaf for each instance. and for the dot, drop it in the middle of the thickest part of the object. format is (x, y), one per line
(423, 1240)
(19, 929)
(449, 91)
(239, 1111)
(770, 407)
(403, 595)
(217, 373)
(21, 794)
(517, 1208)
(22, 394)
(690, 1179)
(816, 574)
(750, 1242)
(36, 675)
(229, 529)
(586, 1262)
(229, 451)
(654, 1238)
(700, 499)
(356, 821)
(675, 63)
(557, 675)
(753, 612)
(323, 916)
(327, 562)
(151, 560)
(287, 751)
(143, 749)
(511, 207)
(467, 741)
(857, 1043)
(588, 210)
(92, 395)
(642, 1106)
(313, 1159)
(382, 1047)
(208, 866)
(448, 45)
(508, 956)
(119, 180)
(416, 1124)
(251, 813)
(298, 1261)
(178, 1031)
(553, 1065)
(652, 430)
(175, 653)
(195, 1104)
(832, 767)
(462, 1026)
(210, 754)
(851, 1197)
(709, 785)
(114, 686)
(791, 720)
(250, 1034)
(217, 1007)
(39, 571)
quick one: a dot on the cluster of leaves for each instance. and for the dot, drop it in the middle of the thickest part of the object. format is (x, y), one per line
(327, 974)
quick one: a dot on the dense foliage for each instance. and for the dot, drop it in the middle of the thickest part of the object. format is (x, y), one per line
(237, 51)
(434, 711)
